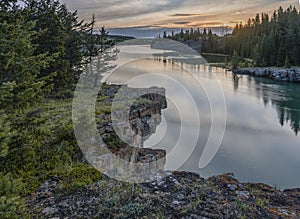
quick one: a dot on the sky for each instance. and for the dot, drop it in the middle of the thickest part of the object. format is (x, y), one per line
(153, 14)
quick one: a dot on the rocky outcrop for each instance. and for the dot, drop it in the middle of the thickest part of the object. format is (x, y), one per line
(135, 114)
(178, 195)
(141, 107)
(278, 74)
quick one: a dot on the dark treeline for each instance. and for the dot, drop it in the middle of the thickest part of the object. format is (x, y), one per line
(268, 40)
(210, 42)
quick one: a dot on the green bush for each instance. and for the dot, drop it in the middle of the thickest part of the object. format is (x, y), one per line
(11, 205)
(77, 175)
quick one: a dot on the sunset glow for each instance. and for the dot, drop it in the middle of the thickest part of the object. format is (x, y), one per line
(173, 13)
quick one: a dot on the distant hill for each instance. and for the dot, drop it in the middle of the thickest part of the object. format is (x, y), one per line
(119, 38)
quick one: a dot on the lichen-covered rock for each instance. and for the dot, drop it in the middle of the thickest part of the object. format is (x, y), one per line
(178, 195)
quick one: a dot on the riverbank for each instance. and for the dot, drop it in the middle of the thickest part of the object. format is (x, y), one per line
(278, 74)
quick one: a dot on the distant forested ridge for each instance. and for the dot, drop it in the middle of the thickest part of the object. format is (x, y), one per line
(118, 38)
(268, 40)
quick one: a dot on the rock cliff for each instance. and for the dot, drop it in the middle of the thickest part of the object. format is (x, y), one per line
(134, 116)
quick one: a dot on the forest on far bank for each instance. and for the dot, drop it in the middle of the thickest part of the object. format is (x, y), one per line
(268, 40)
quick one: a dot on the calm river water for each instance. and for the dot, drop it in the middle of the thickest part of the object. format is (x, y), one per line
(260, 142)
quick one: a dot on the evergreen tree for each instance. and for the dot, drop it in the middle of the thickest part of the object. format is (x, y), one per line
(70, 41)
(165, 34)
(52, 40)
(21, 64)
(181, 34)
(235, 60)
(4, 135)
(269, 41)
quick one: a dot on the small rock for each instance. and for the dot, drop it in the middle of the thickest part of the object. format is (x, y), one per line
(49, 210)
(175, 181)
(175, 202)
(180, 196)
(242, 194)
(241, 186)
(232, 187)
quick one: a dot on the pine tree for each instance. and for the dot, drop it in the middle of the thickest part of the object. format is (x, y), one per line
(235, 60)
(268, 40)
(20, 65)
(72, 43)
(52, 39)
(165, 34)
(4, 135)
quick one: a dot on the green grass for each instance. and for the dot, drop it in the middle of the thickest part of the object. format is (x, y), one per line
(41, 145)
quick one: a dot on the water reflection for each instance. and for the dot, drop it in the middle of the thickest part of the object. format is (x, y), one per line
(284, 97)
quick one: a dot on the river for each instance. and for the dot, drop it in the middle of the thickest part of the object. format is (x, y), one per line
(260, 142)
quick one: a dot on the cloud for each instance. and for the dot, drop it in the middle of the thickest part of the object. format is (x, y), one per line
(181, 22)
(207, 24)
(129, 13)
(122, 9)
(184, 15)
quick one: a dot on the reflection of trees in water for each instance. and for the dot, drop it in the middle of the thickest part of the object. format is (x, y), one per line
(288, 113)
(284, 97)
(235, 79)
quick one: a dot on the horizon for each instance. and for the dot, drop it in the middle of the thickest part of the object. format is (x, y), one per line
(142, 32)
